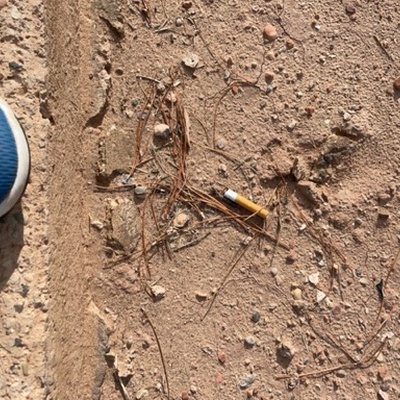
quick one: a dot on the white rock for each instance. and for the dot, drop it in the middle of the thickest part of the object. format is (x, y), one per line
(180, 220)
(158, 292)
(314, 278)
(191, 60)
(161, 131)
(320, 296)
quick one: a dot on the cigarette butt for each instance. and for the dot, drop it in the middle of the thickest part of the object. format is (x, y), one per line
(246, 203)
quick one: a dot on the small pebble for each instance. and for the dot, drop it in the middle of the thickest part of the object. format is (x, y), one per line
(161, 131)
(255, 317)
(320, 296)
(201, 296)
(383, 395)
(269, 76)
(97, 225)
(180, 220)
(296, 294)
(291, 125)
(141, 394)
(193, 389)
(302, 227)
(286, 351)
(187, 4)
(364, 281)
(396, 83)
(346, 116)
(191, 60)
(15, 14)
(15, 66)
(341, 373)
(158, 292)
(274, 271)
(221, 357)
(25, 369)
(350, 9)
(140, 191)
(314, 278)
(185, 395)
(249, 342)
(221, 143)
(246, 381)
(179, 22)
(270, 33)
(270, 55)
(3, 3)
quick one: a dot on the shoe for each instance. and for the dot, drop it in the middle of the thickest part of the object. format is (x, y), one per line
(14, 159)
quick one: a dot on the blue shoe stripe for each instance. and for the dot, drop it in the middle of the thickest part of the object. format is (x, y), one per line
(8, 157)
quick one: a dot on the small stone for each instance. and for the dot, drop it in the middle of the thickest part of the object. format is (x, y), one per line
(97, 225)
(187, 4)
(341, 373)
(364, 281)
(320, 296)
(180, 220)
(285, 352)
(246, 380)
(302, 227)
(396, 83)
(219, 378)
(191, 60)
(185, 395)
(291, 257)
(350, 9)
(289, 44)
(309, 110)
(158, 292)
(25, 368)
(270, 33)
(382, 372)
(314, 278)
(141, 394)
(3, 3)
(15, 66)
(249, 342)
(270, 55)
(193, 389)
(15, 14)
(383, 214)
(296, 294)
(221, 144)
(140, 191)
(201, 296)
(291, 125)
(161, 131)
(382, 395)
(255, 317)
(346, 116)
(269, 76)
(221, 357)
(178, 22)
(274, 271)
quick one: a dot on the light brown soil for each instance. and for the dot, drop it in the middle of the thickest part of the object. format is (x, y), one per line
(305, 125)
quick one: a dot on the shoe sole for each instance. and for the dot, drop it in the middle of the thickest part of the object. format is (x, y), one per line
(14, 158)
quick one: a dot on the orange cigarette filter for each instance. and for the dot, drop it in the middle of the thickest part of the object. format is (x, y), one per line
(246, 203)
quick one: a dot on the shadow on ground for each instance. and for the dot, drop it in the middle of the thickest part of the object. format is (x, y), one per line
(11, 243)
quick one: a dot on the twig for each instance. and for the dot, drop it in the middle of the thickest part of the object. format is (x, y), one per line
(192, 243)
(221, 286)
(159, 350)
(382, 47)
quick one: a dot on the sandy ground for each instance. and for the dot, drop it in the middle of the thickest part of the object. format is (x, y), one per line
(125, 274)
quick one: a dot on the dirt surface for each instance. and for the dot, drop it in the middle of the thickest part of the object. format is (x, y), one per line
(125, 274)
